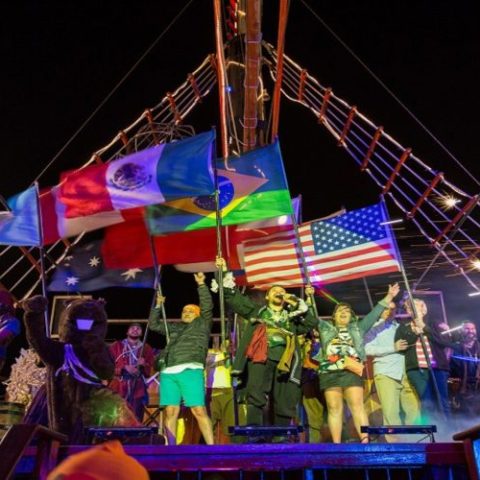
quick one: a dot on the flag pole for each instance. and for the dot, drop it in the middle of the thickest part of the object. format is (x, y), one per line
(302, 255)
(369, 295)
(157, 287)
(41, 254)
(218, 231)
(414, 310)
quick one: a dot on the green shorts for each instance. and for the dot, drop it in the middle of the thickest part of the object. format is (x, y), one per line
(187, 385)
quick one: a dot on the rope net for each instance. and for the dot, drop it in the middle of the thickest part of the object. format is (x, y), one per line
(159, 124)
(446, 216)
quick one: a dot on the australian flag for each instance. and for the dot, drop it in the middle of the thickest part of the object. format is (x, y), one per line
(83, 271)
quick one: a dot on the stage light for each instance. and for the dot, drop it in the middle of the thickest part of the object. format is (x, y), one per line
(474, 294)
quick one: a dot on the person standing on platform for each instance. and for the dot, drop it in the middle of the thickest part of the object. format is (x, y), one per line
(465, 373)
(393, 388)
(9, 325)
(416, 362)
(133, 362)
(341, 362)
(220, 394)
(182, 376)
(268, 350)
(313, 399)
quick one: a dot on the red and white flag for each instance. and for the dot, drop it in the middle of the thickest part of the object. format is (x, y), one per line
(344, 247)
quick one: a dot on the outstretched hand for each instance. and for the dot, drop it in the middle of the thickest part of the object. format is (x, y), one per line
(199, 278)
(392, 291)
(309, 290)
(221, 263)
(160, 300)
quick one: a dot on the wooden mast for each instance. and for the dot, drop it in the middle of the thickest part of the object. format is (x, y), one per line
(253, 38)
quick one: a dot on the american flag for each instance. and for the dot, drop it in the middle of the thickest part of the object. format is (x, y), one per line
(344, 247)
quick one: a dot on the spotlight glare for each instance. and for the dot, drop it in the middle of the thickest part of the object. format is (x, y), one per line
(476, 264)
(448, 201)
(474, 294)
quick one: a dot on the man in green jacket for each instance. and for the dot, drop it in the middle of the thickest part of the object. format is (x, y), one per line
(269, 352)
(182, 376)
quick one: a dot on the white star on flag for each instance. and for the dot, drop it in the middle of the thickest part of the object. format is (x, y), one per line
(131, 273)
(94, 261)
(70, 281)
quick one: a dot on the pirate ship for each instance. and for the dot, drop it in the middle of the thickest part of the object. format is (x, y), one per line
(240, 69)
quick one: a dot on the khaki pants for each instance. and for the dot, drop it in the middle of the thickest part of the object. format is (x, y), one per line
(395, 396)
(314, 410)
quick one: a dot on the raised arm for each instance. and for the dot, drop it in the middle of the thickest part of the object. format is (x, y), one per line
(371, 318)
(49, 351)
(238, 302)
(155, 319)
(205, 299)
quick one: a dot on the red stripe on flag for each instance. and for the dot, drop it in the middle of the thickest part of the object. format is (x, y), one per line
(84, 192)
(275, 258)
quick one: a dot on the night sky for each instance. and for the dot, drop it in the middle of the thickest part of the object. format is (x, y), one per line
(61, 59)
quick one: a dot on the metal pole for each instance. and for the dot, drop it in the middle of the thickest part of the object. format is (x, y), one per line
(365, 284)
(41, 253)
(218, 231)
(157, 288)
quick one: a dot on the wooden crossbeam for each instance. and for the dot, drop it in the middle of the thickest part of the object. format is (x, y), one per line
(346, 127)
(425, 194)
(466, 208)
(194, 85)
(301, 85)
(371, 148)
(397, 168)
(323, 109)
(173, 108)
(149, 117)
(125, 141)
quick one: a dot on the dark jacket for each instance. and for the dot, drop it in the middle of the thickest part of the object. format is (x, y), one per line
(246, 308)
(188, 341)
(437, 345)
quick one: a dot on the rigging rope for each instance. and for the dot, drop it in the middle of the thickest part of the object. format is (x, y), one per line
(392, 167)
(110, 94)
(390, 92)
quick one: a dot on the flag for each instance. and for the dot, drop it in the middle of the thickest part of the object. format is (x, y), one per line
(56, 225)
(344, 247)
(252, 187)
(159, 174)
(83, 271)
(128, 244)
(19, 226)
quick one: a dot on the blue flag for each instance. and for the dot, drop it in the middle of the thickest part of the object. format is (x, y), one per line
(83, 271)
(19, 225)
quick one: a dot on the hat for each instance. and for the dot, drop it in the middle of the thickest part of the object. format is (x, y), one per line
(102, 462)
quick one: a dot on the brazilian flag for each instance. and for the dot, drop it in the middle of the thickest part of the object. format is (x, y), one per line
(252, 187)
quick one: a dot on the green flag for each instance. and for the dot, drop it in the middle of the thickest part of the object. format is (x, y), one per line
(252, 187)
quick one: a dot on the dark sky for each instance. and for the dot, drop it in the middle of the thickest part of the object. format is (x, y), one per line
(61, 59)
